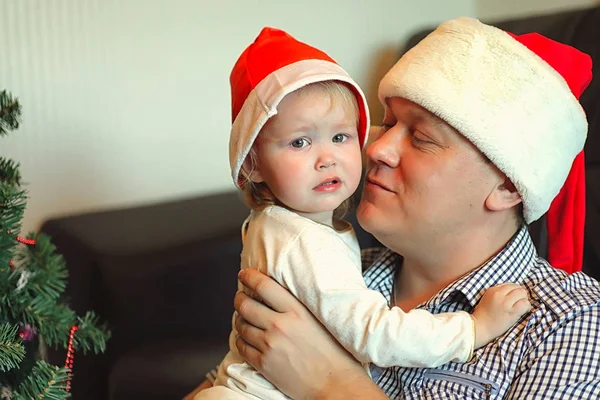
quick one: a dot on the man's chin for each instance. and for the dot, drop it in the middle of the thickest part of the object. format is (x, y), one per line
(365, 216)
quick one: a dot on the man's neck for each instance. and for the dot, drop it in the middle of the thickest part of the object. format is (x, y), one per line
(423, 276)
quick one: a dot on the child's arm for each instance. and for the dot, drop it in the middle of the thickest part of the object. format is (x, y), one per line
(318, 271)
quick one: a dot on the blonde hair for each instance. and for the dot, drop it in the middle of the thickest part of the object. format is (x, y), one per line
(258, 195)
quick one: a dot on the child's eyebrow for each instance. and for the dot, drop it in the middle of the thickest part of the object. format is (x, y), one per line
(303, 128)
(347, 124)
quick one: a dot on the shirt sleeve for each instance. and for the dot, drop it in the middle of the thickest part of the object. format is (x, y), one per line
(317, 268)
(564, 364)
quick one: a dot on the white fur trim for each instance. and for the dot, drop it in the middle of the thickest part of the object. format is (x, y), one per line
(262, 103)
(501, 96)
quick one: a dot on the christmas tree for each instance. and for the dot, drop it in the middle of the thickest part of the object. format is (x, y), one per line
(32, 280)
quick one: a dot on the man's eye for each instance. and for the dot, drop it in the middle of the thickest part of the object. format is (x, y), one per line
(339, 138)
(299, 143)
(419, 138)
(385, 127)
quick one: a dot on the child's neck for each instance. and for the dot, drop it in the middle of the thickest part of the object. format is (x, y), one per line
(325, 218)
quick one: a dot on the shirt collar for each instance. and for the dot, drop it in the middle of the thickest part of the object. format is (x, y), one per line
(380, 275)
(512, 264)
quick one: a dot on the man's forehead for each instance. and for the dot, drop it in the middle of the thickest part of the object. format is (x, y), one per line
(407, 109)
(411, 112)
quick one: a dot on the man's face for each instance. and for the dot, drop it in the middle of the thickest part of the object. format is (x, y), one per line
(425, 181)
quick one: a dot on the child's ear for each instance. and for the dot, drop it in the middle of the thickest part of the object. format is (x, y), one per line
(252, 171)
(256, 176)
(504, 196)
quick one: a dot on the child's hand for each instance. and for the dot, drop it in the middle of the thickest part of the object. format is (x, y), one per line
(500, 308)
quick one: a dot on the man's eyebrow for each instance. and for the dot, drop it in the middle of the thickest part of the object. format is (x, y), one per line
(421, 115)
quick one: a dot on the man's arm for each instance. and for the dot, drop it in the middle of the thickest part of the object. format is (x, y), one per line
(563, 365)
(204, 385)
(351, 388)
(286, 343)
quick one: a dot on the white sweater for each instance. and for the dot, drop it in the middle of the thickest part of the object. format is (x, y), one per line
(322, 268)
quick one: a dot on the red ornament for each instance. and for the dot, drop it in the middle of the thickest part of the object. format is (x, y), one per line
(29, 242)
(27, 332)
(70, 356)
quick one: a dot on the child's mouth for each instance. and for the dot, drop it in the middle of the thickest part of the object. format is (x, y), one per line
(328, 185)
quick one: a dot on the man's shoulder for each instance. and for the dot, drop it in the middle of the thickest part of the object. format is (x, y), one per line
(566, 296)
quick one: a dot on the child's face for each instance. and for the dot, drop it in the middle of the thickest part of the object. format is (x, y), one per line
(309, 153)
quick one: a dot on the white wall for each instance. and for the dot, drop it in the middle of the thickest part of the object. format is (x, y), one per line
(499, 9)
(127, 101)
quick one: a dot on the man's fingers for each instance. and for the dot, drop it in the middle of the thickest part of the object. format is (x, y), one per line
(249, 353)
(251, 334)
(267, 289)
(254, 312)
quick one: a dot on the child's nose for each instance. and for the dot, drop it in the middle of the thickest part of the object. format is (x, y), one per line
(325, 160)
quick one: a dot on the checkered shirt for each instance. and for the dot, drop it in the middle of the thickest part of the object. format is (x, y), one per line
(551, 353)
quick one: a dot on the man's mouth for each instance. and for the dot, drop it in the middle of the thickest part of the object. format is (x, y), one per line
(374, 182)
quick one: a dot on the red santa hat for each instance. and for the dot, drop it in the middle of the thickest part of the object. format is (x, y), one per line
(516, 99)
(270, 68)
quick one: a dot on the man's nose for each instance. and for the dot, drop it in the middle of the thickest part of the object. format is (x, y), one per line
(386, 149)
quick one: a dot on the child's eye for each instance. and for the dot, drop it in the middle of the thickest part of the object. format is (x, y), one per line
(340, 138)
(299, 143)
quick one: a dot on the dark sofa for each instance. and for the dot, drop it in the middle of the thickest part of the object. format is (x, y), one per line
(163, 276)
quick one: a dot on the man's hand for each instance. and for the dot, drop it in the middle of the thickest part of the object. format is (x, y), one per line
(284, 342)
(204, 385)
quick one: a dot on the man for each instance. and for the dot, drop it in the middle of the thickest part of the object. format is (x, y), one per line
(481, 130)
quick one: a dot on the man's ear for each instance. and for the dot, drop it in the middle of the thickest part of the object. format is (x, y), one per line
(503, 197)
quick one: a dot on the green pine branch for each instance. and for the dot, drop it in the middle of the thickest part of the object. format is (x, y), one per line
(47, 281)
(13, 301)
(91, 336)
(12, 351)
(54, 321)
(9, 172)
(10, 113)
(45, 382)
(38, 302)
(51, 271)
(13, 201)
(32, 283)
